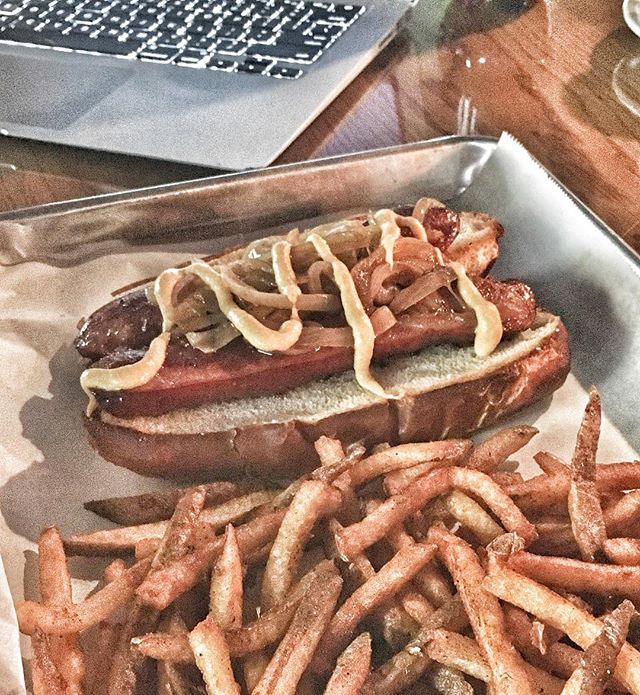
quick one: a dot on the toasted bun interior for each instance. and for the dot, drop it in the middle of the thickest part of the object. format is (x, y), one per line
(433, 368)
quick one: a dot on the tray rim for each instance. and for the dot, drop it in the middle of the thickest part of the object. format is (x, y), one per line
(68, 207)
(176, 187)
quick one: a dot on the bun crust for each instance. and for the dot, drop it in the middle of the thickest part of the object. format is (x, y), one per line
(284, 449)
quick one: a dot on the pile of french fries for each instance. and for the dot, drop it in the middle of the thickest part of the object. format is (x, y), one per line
(419, 568)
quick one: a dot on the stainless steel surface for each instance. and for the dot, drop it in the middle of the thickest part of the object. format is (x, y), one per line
(210, 118)
(584, 273)
(239, 204)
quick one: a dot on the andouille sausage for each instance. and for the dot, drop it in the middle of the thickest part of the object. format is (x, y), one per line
(190, 377)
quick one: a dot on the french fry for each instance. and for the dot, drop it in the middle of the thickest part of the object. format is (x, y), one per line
(471, 515)
(313, 501)
(212, 658)
(537, 493)
(429, 580)
(463, 654)
(114, 570)
(161, 587)
(584, 506)
(559, 658)
(225, 591)
(552, 465)
(330, 472)
(509, 675)
(409, 664)
(504, 478)
(599, 659)
(382, 586)
(623, 551)
(55, 589)
(296, 649)
(458, 652)
(494, 451)
(354, 539)
(94, 609)
(394, 622)
(352, 668)
(448, 681)
(157, 506)
(330, 451)
(622, 518)
(175, 543)
(45, 675)
(577, 576)
(405, 456)
(101, 657)
(124, 540)
(416, 606)
(581, 627)
(268, 628)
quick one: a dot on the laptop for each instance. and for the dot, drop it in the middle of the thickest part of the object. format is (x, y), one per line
(219, 83)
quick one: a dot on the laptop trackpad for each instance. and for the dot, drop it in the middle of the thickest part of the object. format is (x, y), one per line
(53, 92)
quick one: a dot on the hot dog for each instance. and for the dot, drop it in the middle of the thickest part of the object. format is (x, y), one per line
(213, 367)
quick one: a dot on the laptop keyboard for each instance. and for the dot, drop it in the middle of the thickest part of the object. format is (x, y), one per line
(276, 38)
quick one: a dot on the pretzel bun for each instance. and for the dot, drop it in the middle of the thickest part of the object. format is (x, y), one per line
(447, 391)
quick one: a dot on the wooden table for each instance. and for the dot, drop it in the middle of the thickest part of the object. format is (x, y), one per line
(562, 75)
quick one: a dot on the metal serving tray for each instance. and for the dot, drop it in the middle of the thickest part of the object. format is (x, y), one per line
(578, 267)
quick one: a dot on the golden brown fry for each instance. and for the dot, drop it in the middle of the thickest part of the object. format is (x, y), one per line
(409, 664)
(416, 606)
(448, 681)
(55, 589)
(581, 627)
(330, 451)
(623, 551)
(584, 506)
(165, 647)
(504, 478)
(458, 652)
(578, 576)
(296, 649)
(552, 465)
(433, 455)
(268, 628)
(114, 570)
(313, 501)
(622, 518)
(464, 654)
(429, 580)
(354, 539)
(212, 658)
(382, 586)
(329, 473)
(100, 658)
(174, 545)
(471, 515)
(599, 659)
(163, 586)
(494, 451)
(537, 494)
(352, 668)
(509, 675)
(225, 591)
(45, 675)
(93, 610)
(156, 506)
(559, 658)
(122, 541)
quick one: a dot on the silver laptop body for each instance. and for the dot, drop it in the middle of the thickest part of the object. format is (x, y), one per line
(227, 120)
